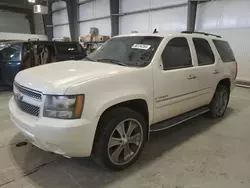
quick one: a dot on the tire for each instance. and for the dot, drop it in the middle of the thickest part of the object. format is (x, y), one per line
(109, 140)
(218, 105)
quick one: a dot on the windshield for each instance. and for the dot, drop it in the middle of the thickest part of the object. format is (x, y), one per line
(127, 51)
(11, 52)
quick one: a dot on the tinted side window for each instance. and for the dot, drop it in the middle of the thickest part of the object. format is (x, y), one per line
(11, 53)
(224, 50)
(176, 54)
(68, 48)
(204, 52)
(27, 56)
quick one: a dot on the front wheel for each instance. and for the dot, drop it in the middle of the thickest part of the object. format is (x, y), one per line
(121, 138)
(219, 102)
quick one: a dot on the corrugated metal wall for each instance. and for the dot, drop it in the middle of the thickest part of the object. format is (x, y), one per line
(98, 9)
(13, 22)
(168, 19)
(231, 19)
(60, 20)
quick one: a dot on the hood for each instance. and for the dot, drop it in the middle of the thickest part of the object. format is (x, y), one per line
(55, 78)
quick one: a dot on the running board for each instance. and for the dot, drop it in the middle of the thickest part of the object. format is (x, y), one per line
(178, 119)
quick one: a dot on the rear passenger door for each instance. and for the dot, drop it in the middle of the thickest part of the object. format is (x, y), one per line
(207, 69)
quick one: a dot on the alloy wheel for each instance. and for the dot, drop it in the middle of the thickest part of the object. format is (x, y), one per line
(125, 141)
(221, 102)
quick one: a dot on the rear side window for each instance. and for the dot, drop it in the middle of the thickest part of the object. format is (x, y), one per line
(224, 50)
(176, 54)
(204, 52)
(68, 48)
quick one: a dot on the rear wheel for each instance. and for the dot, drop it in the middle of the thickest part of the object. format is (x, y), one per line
(219, 102)
(121, 138)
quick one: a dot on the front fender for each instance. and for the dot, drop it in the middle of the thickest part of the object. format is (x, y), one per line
(107, 91)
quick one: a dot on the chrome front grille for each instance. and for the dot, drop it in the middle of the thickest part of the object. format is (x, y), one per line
(28, 108)
(28, 92)
(27, 100)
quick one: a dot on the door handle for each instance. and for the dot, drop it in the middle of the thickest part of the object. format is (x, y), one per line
(191, 77)
(216, 71)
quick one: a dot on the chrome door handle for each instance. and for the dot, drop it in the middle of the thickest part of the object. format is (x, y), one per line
(216, 71)
(191, 77)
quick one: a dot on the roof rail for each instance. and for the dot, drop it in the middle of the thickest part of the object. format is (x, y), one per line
(203, 33)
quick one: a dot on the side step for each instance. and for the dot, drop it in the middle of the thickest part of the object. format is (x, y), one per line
(178, 119)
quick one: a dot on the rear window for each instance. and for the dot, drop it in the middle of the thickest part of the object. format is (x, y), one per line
(69, 48)
(224, 50)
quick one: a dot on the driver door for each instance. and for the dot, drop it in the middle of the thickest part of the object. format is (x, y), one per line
(175, 81)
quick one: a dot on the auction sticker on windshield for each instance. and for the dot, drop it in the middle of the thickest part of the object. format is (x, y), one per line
(141, 46)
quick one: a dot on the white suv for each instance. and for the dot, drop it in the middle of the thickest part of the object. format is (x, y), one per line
(106, 105)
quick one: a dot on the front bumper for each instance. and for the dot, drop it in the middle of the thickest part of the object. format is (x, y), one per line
(70, 138)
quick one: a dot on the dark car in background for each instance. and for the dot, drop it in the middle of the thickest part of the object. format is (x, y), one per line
(19, 55)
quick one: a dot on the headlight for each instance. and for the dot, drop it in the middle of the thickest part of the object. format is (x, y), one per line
(63, 107)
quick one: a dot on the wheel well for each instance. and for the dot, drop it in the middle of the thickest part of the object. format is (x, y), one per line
(138, 105)
(226, 82)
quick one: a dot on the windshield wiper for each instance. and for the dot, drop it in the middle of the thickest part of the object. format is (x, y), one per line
(112, 61)
(87, 58)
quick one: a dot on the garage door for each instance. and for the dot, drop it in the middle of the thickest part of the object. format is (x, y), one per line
(60, 20)
(231, 20)
(164, 15)
(94, 14)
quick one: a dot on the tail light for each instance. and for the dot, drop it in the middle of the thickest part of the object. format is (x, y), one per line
(236, 72)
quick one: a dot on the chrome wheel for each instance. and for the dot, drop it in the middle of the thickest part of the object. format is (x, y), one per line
(125, 141)
(221, 102)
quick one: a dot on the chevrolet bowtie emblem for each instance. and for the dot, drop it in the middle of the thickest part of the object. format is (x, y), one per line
(19, 96)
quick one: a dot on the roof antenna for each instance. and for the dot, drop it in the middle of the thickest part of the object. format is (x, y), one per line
(155, 31)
